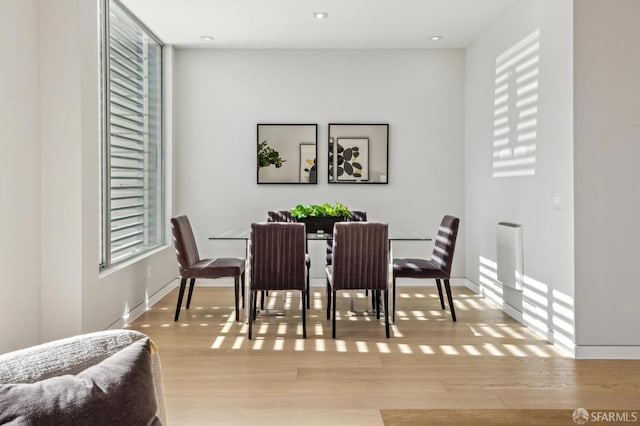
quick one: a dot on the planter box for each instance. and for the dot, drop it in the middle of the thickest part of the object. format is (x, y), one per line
(321, 223)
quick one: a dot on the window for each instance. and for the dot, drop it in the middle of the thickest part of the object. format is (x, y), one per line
(132, 167)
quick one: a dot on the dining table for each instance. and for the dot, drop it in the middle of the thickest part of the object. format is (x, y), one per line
(241, 233)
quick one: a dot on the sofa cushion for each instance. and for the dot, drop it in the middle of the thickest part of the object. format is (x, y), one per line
(118, 390)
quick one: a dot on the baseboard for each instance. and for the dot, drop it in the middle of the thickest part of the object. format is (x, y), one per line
(517, 315)
(607, 352)
(142, 307)
(577, 352)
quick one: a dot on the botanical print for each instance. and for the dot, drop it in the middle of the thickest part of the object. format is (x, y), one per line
(308, 172)
(352, 159)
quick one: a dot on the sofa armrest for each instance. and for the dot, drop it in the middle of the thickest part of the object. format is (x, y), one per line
(73, 355)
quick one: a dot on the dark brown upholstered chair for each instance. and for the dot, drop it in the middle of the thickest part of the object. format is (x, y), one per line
(438, 267)
(285, 216)
(191, 266)
(277, 258)
(360, 262)
(280, 216)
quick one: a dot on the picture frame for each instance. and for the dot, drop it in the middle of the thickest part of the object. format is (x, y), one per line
(279, 152)
(370, 141)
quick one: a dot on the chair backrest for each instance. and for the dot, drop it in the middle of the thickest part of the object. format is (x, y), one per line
(184, 242)
(358, 216)
(445, 243)
(360, 255)
(277, 256)
(280, 216)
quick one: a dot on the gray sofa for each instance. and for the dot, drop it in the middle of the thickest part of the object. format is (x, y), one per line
(105, 378)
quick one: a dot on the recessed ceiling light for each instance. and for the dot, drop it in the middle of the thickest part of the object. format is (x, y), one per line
(206, 38)
(320, 15)
(436, 38)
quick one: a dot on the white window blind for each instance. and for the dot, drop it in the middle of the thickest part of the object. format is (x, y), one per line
(132, 156)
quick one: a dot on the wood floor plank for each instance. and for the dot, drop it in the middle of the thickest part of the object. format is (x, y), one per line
(477, 417)
(197, 416)
(483, 368)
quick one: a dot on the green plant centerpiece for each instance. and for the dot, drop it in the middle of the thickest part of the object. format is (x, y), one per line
(268, 156)
(321, 217)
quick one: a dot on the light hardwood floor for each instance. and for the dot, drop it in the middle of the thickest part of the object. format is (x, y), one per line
(485, 368)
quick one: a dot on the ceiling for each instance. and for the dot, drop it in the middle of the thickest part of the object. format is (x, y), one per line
(358, 24)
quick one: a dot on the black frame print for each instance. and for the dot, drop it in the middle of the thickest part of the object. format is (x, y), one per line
(352, 160)
(288, 149)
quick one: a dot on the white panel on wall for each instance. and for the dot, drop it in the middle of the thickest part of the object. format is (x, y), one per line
(509, 253)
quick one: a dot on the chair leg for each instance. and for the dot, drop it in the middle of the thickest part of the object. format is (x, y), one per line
(308, 293)
(393, 299)
(386, 312)
(439, 285)
(373, 298)
(377, 298)
(183, 284)
(237, 299)
(252, 305)
(447, 287)
(191, 285)
(304, 315)
(333, 324)
(328, 301)
(243, 288)
(262, 294)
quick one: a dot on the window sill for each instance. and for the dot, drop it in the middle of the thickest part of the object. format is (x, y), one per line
(128, 263)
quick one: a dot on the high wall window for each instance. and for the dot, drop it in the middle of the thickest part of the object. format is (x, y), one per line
(132, 167)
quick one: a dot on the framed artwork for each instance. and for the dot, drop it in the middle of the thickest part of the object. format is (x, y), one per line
(308, 171)
(352, 159)
(284, 151)
(358, 153)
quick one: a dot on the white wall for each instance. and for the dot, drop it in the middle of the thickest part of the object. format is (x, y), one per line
(61, 141)
(547, 301)
(607, 173)
(19, 175)
(222, 94)
(52, 284)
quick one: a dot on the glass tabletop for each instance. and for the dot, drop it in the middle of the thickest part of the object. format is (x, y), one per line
(232, 234)
(394, 235)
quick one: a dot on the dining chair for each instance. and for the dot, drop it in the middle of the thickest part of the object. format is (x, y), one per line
(356, 216)
(360, 262)
(438, 267)
(277, 262)
(280, 216)
(192, 267)
(285, 216)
